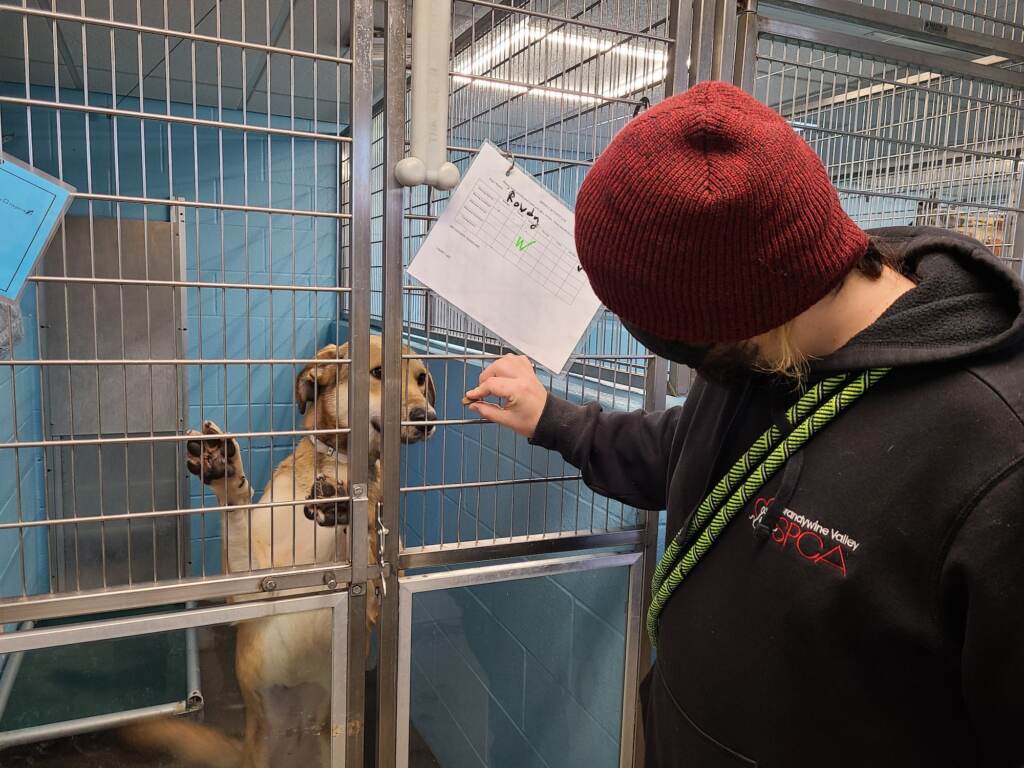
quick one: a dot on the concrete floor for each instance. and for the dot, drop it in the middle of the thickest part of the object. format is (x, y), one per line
(222, 710)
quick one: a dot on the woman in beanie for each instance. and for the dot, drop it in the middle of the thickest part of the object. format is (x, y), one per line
(844, 578)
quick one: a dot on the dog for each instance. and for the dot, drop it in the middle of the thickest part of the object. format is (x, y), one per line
(283, 663)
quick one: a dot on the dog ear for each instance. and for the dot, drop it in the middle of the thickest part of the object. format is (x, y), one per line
(431, 392)
(315, 377)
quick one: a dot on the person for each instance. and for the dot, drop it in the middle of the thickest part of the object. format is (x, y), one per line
(844, 484)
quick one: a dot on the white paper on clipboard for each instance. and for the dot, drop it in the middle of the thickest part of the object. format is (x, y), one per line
(503, 253)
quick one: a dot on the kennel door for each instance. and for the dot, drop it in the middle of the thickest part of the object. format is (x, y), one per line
(93, 312)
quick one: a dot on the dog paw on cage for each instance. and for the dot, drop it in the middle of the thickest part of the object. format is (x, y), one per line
(326, 513)
(212, 457)
(217, 461)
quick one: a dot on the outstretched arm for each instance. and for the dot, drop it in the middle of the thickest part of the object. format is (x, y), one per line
(622, 455)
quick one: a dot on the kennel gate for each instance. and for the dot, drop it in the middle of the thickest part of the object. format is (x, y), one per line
(280, 141)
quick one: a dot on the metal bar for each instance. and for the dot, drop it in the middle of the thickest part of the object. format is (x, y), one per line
(361, 49)
(517, 546)
(167, 32)
(151, 282)
(495, 356)
(88, 724)
(166, 118)
(146, 596)
(519, 156)
(499, 572)
(702, 48)
(9, 671)
(633, 670)
(566, 20)
(863, 46)
(491, 483)
(724, 60)
(923, 30)
(403, 679)
(680, 21)
(193, 679)
(339, 686)
(120, 362)
(179, 512)
(746, 47)
(931, 200)
(1017, 252)
(169, 438)
(392, 657)
(170, 202)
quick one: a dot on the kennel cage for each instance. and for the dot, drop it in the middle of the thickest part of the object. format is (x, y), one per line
(246, 147)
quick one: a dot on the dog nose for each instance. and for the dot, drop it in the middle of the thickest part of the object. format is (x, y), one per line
(422, 415)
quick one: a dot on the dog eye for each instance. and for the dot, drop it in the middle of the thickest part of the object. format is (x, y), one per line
(422, 379)
(376, 373)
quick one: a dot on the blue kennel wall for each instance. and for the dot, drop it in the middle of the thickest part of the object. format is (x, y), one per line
(225, 246)
(22, 472)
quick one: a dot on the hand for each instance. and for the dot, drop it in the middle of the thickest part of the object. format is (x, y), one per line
(513, 380)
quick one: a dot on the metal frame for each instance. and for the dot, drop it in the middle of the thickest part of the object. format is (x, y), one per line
(193, 701)
(189, 620)
(445, 338)
(923, 30)
(409, 586)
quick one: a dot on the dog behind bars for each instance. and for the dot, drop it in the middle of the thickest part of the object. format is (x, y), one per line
(283, 663)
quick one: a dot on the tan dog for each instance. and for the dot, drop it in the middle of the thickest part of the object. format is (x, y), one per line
(283, 663)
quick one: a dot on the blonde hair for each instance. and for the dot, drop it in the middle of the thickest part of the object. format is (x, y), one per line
(779, 355)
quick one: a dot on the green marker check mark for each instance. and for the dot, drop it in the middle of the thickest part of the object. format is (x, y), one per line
(523, 244)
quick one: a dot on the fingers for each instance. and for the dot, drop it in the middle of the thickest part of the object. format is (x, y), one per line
(509, 366)
(494, 414)
(494, 386)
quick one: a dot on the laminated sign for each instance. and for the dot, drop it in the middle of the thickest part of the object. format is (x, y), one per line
(32, 205)
(503, 253)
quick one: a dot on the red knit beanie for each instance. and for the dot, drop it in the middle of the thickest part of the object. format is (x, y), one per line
(708, 219)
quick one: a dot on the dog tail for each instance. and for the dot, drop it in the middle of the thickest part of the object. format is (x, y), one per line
(193, 744)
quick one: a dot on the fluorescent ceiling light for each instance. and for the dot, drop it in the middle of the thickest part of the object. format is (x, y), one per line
(624, 61)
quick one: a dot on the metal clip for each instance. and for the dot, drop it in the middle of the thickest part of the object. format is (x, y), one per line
(511, 161)
(642, 105)
(382, 537)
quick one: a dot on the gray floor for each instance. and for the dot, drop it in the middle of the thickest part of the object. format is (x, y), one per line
(223, 710)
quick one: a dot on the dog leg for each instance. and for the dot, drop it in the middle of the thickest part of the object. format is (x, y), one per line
(217, 461)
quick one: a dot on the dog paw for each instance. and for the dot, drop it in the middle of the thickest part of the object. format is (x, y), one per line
(211, 457)
(326, 513)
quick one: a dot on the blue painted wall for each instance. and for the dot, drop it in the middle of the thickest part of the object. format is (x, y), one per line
(23, 557)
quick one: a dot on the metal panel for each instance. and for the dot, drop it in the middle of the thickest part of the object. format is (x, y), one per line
(551, 88)
(202, 261)
(492, 574)
(112, 322)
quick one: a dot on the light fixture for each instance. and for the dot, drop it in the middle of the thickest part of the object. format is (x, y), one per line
(512, 39)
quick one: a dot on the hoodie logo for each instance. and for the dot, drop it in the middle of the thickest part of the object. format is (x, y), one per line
(810, 540)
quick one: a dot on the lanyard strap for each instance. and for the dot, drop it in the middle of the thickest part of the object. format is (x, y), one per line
(815, 409)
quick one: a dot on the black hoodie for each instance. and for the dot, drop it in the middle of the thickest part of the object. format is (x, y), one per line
(881, 623)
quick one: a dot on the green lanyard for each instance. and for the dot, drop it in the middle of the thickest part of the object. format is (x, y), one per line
(816, 408)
